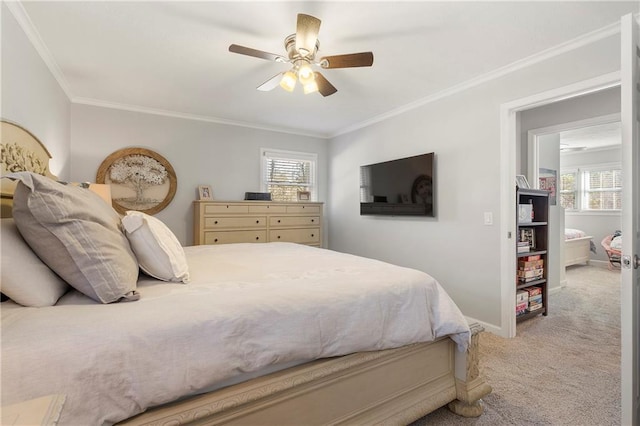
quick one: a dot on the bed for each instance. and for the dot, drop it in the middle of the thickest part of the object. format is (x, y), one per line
(577, 247)
(273, 333)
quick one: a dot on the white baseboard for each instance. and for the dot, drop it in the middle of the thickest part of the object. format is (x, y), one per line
(491, 328)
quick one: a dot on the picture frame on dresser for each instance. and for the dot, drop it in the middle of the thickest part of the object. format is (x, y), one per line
(304, 196)
(205, 193)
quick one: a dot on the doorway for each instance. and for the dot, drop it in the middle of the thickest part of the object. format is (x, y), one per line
(585, 156)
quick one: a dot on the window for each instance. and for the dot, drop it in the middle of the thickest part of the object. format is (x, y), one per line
(593, 188)
(569, 189)
(285, 173)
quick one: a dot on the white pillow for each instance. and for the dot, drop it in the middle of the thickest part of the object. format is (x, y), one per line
(159, 252)
(76, 234)
(25, 279)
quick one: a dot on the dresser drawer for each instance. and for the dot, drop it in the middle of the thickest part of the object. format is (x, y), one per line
(267, 209)
(218, 222)
(304, 236)
(304, 208)
(225, 208)
(278, 221)
(229, 237)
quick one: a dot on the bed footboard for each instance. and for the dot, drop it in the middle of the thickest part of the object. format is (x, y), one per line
(395, 386)
(471, 386)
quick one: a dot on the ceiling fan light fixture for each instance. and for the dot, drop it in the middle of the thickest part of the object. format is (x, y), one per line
(288, 81)
(310, 87)
(305, 74)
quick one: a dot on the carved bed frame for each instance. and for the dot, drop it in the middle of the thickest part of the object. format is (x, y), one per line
(395, 386)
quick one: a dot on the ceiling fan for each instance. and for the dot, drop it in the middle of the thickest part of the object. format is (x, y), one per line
(302, 48)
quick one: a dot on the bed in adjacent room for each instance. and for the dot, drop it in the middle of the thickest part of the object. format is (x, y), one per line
(269, 333)
(577, 247)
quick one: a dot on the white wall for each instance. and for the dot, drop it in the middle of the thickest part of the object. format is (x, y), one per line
(31, 97)
(201, 153)
(464, 132)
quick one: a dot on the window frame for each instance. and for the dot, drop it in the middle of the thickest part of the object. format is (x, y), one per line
(581, 187)
(311, 157)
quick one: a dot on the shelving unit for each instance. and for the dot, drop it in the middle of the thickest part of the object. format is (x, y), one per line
(532, 265)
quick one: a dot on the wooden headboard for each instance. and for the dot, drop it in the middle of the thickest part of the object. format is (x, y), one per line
(20, 151)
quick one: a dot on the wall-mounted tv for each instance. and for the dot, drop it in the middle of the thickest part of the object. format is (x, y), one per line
(402, 187)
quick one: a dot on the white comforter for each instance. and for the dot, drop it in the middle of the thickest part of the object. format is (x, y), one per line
(247, 308)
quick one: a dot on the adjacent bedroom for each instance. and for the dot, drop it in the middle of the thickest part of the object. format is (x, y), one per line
(312, 213)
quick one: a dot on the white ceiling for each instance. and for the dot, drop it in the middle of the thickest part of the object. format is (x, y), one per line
(591, 137)
(172, 57)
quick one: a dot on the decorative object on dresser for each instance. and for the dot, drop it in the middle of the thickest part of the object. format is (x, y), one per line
(220, 222)
(140, 180)
(304, 196)
(532, 252)
(259, 196)
(205, 192)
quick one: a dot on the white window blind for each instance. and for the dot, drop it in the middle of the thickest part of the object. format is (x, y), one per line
(592, 188)
(286, 173)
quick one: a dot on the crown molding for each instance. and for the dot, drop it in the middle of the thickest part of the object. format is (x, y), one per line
(18, 12)
(208, 119)
(583, 40)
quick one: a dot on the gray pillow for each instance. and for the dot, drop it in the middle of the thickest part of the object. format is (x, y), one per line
(77, 235)
(25, 279)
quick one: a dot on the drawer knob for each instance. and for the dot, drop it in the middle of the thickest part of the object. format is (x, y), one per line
(312, 235)
(278, 220)
(215, 241)
(278, 236)
(257, 238)
(215, 223)
(257, 221)
(312, 220)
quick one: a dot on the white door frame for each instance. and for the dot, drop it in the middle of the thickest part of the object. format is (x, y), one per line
(509, 136)
(630, 282)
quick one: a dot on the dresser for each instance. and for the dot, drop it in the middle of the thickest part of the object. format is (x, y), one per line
(225, 222)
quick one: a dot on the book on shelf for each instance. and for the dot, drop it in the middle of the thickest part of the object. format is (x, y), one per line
(528, 235)
(522, 296)
(534, 274)
(531, 257)
(535, 307)
(526, 265)
(528, 280)
(534, 291)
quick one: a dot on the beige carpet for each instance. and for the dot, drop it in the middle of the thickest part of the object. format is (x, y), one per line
(562, 369)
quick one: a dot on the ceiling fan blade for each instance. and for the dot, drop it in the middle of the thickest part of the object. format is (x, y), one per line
(364, 59)
(271, 84)
(234, 48)
(307, 34)
(324, 87)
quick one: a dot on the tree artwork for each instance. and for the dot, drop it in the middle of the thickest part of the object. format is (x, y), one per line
(140, 180)
(140, 172)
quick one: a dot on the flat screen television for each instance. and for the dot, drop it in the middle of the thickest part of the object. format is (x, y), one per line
(402, 187)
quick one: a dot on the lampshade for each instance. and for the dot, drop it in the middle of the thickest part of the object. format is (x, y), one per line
(310, 87)
(288, 81)
(305, 74)
(103, 190)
